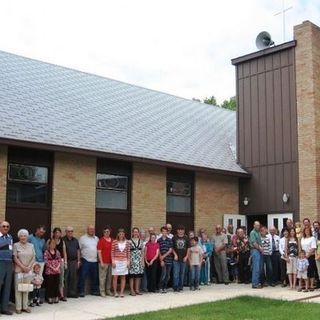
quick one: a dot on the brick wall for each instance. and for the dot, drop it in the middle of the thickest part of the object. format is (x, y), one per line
(214, 196)
(148, 196)
(308, 112)
(3, 180)
(74, 181)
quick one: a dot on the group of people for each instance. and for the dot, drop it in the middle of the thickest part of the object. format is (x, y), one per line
(291, 257)
(58, 268)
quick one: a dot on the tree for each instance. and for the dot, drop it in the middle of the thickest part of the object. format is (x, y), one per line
(229, 104)
(212, 100)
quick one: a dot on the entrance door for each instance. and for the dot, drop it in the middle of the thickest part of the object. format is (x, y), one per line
(278, 220)
(236, 220)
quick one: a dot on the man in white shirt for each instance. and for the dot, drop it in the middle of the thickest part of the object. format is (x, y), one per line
(276, 256)
(89, 261)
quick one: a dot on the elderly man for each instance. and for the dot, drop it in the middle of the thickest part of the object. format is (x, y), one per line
(6, 252)
(73, 261)
(289, 225)
(275, 256)
(89, 261)
(220, 242)
(169, 227)
(256, 255)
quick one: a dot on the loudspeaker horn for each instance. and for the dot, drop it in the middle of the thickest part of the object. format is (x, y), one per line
(263, 40)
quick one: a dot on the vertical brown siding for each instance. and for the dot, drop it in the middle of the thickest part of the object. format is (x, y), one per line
(267, 130)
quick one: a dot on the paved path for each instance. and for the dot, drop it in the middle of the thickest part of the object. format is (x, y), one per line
(92, 307)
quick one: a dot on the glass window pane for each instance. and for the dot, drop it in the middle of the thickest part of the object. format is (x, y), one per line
(179, 188)
(178, 204)
(27, 193)
(109, 199)
(27, 173)
(112, 182)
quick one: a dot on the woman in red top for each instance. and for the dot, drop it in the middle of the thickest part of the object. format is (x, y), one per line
(151, 256)
(120, 256)
(52, 260)
(105, 264)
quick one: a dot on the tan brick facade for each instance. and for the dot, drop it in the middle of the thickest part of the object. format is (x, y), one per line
(74, 191)
(148, 196)
(308, 112)
(215, 196)
(3, 180)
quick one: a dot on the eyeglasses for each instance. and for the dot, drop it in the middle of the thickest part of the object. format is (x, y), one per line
(5, 226)
(69, 230)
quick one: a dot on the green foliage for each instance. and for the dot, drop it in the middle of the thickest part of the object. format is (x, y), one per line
(212, 100)
(242, 308)
(229, 104)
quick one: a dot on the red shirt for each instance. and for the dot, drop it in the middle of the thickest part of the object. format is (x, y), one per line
(151, 250)
(105, 247)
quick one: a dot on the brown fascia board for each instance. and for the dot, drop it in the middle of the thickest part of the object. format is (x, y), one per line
(101, 154)
(264, 52)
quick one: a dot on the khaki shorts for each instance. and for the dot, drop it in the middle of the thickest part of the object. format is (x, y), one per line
(292, 265)
(302, 275)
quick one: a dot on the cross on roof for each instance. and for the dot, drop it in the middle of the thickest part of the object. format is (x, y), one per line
(283, 12)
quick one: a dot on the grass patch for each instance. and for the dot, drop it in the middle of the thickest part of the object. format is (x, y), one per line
(242, 308)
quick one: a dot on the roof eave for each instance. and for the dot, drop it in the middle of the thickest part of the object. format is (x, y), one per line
(94, 153)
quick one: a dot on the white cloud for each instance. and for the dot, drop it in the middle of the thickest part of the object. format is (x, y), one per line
(180, 47)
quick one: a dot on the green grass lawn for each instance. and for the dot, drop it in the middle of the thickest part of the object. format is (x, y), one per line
(245, 308)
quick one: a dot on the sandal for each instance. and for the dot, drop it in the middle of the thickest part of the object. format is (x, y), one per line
(132, 294)
(139, 293)
(116, 295)
(121, 295)
(305, 290)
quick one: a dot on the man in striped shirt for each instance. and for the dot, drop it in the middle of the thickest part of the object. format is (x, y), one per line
(266, 257)
(166, 259)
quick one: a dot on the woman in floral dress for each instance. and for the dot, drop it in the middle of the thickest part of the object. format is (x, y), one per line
(136, 262)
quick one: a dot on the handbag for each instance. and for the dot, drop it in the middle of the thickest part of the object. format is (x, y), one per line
(24, 287)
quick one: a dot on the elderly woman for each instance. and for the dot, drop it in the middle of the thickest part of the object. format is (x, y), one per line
(52, 261)
(24, 258)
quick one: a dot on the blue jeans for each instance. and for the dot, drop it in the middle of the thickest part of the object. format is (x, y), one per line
(256, 264)
(179, 268)
(165, 276)
(266, 261)
(195, 273)
(88, 268)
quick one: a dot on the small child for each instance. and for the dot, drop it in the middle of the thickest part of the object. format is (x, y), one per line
(302, 270)
(232, 262)
(195, 256)
(37, 281)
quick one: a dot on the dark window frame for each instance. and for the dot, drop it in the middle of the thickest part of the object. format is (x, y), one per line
(35, 158)
(120, 168)
(181, 176)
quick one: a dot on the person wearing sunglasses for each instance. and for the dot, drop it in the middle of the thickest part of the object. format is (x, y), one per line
(6, 251)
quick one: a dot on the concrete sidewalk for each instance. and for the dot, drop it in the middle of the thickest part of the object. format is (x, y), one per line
(92, 307)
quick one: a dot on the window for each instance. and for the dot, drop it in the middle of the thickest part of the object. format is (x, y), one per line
(27, 184)
(178, 197)
(112, 191)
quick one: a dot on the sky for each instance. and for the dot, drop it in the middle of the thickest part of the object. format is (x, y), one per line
(181, 47)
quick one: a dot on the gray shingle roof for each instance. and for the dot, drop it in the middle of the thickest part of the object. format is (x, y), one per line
(45, 103)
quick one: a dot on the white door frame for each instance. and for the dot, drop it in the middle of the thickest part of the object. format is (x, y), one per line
(279, 218)
(234, 219)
